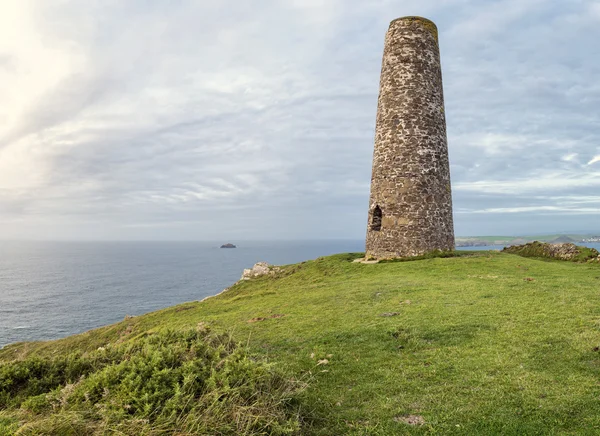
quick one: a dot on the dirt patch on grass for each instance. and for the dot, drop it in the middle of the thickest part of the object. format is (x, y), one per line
(125, 333)
(183, 308)
(262, 318)
(410, 419)
(257, 319)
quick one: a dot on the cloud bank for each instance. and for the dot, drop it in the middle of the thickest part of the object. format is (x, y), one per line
(253, 120)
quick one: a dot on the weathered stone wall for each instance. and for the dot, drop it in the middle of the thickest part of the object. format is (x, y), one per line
(410, 185)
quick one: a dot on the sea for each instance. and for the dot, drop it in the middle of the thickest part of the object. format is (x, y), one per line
(49, 290)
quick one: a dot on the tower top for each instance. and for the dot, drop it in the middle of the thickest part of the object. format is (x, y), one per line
(424, 22)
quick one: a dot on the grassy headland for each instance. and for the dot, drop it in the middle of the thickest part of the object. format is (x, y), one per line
(470, 241)
(484, 343)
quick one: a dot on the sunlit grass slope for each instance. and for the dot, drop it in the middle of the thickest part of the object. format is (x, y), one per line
(485, 343)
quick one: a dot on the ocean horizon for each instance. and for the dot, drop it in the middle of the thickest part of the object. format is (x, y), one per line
(50, 290)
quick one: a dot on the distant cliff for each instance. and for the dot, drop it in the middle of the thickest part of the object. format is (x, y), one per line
(479, 241)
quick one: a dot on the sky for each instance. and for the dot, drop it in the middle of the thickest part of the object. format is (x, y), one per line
(252, 120)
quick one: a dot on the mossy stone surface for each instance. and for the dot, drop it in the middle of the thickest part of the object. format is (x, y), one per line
(426, 23)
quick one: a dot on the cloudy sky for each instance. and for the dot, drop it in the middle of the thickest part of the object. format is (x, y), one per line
(240, 119)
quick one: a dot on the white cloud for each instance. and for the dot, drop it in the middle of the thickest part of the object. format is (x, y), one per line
(37, 63)
(594, 10)
(498, 143)
(594, 160)
(529, 209)
(534, 184)
(486, 18)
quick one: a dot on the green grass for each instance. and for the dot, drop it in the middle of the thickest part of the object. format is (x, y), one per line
(485, 344)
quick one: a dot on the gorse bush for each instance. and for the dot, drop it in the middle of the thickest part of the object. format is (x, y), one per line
(192, 382)
(34, 376)
(565, 251)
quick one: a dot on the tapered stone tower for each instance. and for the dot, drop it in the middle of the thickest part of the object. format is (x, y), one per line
(410, 209)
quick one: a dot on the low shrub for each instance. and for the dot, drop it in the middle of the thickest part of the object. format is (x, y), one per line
(192, 382)
(8, 424)
(566, 251)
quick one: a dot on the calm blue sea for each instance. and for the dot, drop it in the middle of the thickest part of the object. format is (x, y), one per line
(53, 289)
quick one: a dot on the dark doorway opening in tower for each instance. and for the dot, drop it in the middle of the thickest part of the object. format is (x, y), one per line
(376, 219)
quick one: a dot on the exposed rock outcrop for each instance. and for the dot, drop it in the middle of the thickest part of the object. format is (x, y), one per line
(566, 251)
(260, 269)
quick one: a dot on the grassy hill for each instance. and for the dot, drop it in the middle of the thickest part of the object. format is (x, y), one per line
(485, 343)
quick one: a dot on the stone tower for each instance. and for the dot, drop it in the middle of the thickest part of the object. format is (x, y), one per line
(410, 208)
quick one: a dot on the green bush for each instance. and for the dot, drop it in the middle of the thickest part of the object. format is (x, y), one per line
(8, 425)
(190, 381)
(34, 376)
(37, 404)
(565, 251)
